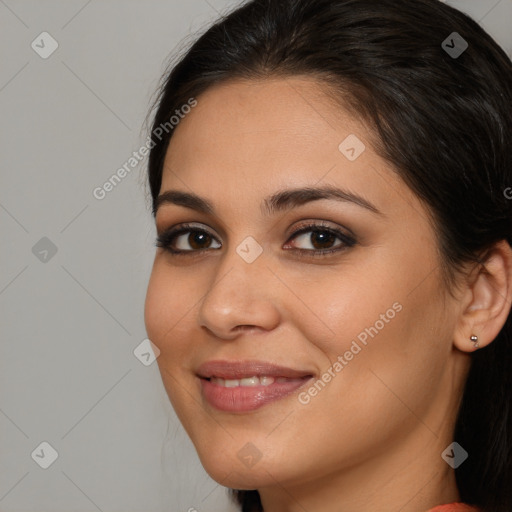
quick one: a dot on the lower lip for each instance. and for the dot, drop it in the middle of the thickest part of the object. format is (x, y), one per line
(248, 398)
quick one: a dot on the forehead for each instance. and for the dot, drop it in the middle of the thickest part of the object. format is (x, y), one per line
(245, 139)
(288, 116)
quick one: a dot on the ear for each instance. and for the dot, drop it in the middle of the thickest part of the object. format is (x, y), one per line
(486, 299)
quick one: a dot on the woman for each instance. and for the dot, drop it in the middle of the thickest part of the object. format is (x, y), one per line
(332, 285)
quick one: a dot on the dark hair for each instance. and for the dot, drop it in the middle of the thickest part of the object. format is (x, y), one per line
(444, 122)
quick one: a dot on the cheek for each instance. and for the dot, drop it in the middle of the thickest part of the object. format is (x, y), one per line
(155, 307)
(166, 305)
(370, 321)
(386, 355)
(168, 326)
(388, 295)
(355, 301)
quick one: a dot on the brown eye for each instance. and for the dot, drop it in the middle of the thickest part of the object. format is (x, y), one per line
(318, 239)
(198, 239)
(186, 239)
(322, 239)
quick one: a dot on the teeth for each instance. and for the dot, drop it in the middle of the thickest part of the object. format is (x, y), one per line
(250, 381)
(246, 381)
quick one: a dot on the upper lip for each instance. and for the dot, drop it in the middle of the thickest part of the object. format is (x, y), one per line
(242, 369)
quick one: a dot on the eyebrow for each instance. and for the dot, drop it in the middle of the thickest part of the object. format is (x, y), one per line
(278, 202)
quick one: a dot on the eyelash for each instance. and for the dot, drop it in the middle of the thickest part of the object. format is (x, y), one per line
(165, 239)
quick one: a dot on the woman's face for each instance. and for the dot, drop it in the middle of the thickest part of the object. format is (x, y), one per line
(360, 331)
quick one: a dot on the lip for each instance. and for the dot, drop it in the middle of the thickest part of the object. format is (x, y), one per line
(242, 398)
(241, 369)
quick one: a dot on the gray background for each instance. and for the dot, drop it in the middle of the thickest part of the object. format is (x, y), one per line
(71, 320)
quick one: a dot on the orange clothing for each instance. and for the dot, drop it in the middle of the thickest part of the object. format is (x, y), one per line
(454, 507)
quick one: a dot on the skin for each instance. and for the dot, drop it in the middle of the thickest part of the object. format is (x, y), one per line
(372, 438)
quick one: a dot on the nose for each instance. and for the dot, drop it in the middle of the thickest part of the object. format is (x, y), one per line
(241, 296)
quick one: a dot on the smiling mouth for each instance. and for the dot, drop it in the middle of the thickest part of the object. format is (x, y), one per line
(242, 370)
(254, 381)
(240, 386)
(248, 393)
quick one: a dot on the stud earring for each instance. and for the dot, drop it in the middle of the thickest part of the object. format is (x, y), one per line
(474, 339)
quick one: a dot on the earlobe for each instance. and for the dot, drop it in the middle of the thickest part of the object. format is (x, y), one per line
(487, 300)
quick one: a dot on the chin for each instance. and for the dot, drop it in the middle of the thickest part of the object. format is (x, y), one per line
(229, 471)
(244, 480)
